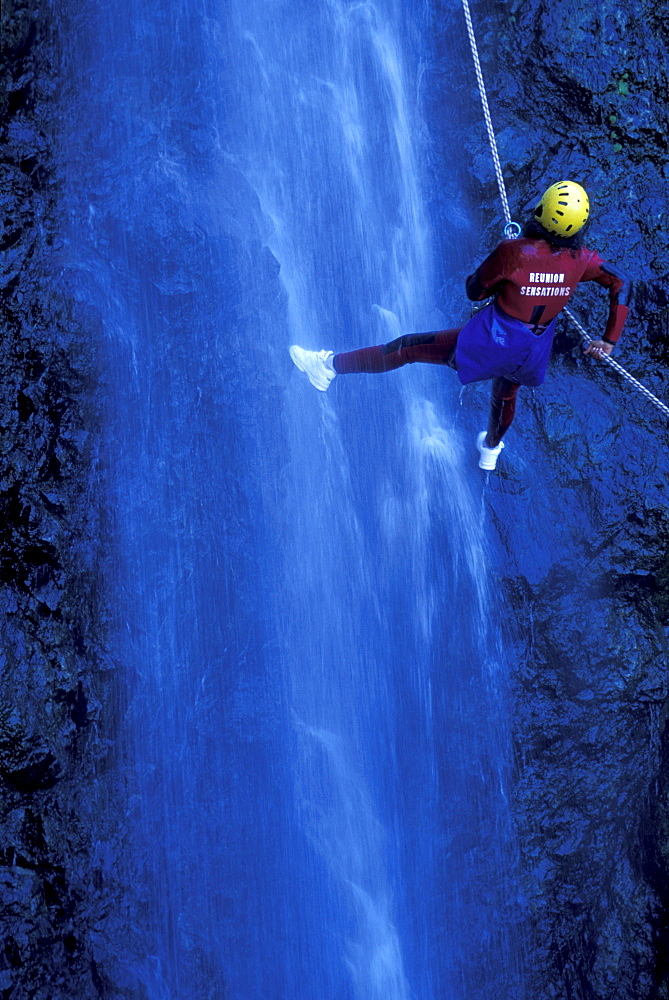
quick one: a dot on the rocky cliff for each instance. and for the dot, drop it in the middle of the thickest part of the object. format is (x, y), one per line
(55, 675)
(580, 502)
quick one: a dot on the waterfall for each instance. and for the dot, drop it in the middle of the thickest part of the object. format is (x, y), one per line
(314, 731)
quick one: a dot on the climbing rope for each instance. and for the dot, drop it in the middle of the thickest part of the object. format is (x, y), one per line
(513, 230)
(619, 368)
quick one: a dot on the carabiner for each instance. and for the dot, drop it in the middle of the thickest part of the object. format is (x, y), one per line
(512, 230)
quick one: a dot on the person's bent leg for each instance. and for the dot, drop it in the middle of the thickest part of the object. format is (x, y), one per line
(502, 410)
(430, 348)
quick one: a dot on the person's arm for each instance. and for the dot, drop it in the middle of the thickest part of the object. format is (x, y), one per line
(618, 288)
(482, 283)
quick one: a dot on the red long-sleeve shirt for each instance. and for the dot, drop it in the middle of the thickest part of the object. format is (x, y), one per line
(533, 282)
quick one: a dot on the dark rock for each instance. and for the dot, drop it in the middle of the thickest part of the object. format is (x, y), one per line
(580, 92)
(51, 638)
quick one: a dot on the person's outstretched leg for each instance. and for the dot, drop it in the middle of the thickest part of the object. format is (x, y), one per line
(430, 348)
(322, 366)
(502, 410)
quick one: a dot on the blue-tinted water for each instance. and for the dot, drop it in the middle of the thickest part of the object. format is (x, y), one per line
(314, 731)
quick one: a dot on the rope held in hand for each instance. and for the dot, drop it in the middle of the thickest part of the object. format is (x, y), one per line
(618, 368)
(512, 229)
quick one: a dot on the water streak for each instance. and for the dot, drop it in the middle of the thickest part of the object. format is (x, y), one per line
(300, 587)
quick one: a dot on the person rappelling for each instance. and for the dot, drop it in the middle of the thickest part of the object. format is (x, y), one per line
(508, 341)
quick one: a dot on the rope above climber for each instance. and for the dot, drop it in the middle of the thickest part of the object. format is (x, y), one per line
(509, 341)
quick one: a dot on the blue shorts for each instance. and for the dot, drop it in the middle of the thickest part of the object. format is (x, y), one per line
(493, 343)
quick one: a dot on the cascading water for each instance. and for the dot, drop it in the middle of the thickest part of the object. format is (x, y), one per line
(315, 724)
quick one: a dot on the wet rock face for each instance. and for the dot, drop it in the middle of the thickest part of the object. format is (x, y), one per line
(50, 890)
(580, 502)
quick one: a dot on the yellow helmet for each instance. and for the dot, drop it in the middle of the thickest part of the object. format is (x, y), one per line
(563, 209)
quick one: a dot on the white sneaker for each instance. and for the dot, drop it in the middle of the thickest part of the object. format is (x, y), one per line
(316, 364)
(489, 456)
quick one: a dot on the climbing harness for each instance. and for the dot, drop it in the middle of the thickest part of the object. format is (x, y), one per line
(512, 230)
